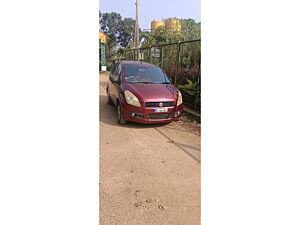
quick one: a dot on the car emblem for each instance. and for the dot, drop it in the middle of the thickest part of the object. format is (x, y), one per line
(160, 104)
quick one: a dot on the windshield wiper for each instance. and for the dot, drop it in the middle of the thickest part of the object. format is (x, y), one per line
(165, 82)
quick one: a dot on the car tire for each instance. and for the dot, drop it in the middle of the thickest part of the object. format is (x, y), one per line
(120, 116)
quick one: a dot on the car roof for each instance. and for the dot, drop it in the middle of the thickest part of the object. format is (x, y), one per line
(136, 63)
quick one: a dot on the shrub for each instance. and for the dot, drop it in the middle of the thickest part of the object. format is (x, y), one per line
(188, 74)
(184, 74)
(190, 95)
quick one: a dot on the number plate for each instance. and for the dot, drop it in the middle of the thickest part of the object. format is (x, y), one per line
(161, 110)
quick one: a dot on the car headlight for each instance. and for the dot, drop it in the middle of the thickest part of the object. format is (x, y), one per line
(179, 101)
(131, 99)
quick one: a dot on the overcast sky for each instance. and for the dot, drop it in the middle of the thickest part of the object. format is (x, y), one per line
(153, 9)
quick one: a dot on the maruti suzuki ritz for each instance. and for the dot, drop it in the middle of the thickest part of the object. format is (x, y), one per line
(143, 93)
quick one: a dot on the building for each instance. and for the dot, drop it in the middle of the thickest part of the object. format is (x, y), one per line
(173, 25)
(170, 24)
(155, 24)
(102, 60)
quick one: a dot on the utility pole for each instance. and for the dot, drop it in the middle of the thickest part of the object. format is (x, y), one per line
(136, 31)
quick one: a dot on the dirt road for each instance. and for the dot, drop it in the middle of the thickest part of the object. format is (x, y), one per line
(149, 174)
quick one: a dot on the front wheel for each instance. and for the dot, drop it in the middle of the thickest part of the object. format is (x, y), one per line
(121, 119)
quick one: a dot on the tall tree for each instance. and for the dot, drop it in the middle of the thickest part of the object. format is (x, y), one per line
(190, 28)
(126, 32)
(120, 32)
(110, 24)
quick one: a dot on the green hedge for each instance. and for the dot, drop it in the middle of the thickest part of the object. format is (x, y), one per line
(190, 94)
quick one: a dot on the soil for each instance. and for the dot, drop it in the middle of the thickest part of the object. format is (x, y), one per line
(149, 174)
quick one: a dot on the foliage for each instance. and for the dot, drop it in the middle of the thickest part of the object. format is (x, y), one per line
(189, 52)
(190, 88)
(191, 94)
(120, 32)
(190, 30)
(186, 75)
(126, 32)
(144, 37)
(110, 24)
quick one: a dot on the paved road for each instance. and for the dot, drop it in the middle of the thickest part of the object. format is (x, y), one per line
(149, 174)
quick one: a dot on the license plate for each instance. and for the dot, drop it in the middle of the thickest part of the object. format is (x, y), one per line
(160, 110)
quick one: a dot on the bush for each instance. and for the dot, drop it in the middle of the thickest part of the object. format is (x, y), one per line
(170, 70)
(184, 74)
(190, 95)
(188, 74)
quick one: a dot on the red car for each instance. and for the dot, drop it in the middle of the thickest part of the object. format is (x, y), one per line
(143, 93)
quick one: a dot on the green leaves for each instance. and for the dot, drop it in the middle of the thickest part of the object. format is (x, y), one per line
(190, 94)
(110, 24)
(120, 32)
(126, 33)
(190, 87)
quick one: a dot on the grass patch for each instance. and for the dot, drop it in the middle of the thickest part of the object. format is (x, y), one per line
(104, 73)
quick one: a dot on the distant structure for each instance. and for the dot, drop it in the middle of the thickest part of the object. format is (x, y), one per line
(155, 24)
(173, 24)
(169, 24)
(103, 41)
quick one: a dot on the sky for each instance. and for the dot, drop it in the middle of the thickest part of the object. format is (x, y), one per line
(153, 9)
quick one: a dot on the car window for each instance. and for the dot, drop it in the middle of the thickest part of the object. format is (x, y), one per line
(144, 74)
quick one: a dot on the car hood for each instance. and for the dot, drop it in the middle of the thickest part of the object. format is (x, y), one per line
(153, 92)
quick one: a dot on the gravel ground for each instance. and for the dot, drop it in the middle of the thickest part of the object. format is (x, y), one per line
(149, 174)
(189, 124)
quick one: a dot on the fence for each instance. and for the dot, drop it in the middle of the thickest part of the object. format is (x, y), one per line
(181, 61)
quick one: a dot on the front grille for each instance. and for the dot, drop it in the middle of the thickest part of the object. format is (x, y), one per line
(156, 104)
(159, 116)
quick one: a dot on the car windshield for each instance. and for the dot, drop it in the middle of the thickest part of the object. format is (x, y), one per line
(144, 74)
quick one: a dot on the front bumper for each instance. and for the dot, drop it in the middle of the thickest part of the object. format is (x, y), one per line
(148, 116)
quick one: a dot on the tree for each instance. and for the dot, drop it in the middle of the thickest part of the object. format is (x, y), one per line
(120, 32)
(144, 37)
(110, 24)
(126, 32)
(190, 28)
